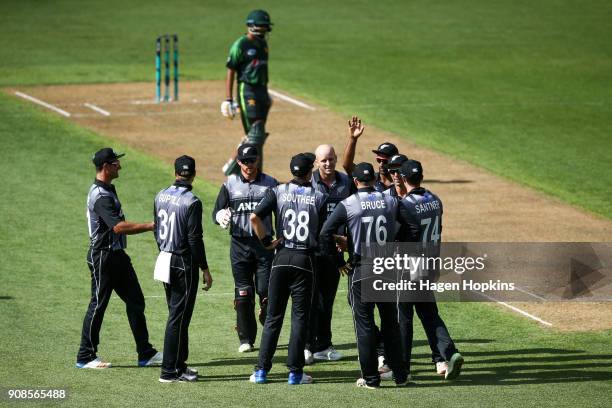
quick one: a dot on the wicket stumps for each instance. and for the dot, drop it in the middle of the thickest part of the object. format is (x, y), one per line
(163, 41)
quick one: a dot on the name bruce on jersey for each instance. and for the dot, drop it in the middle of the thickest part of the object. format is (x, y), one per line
(373, 205)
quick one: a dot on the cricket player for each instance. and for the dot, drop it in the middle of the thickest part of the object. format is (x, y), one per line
(111, 268)
(247, 64)
(370, 219)
(251, 263)
(337, 186)
(178, 232)
(299, 210)
(420, 214)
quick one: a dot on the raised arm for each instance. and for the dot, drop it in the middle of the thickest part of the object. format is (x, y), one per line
(355, 130)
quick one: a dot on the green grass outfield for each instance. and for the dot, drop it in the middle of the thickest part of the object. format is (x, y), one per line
(45, 289)
(522, 88)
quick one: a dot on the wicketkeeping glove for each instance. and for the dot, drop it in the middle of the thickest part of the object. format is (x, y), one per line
(224, 217)
(229, 108)
(345, 269)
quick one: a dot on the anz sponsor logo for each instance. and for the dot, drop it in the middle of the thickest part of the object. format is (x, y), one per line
(247, 206)
(251, 52)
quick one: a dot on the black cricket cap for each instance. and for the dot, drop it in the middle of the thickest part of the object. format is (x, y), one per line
(386, 149)
(411, 169)
(247, 151)
(105, 155)
(301, 164)
(184, 166)
(396, 161)
(364, 172)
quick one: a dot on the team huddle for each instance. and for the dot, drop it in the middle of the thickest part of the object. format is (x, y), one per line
(291, 239)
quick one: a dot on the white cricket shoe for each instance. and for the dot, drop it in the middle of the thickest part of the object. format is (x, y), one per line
(185, 377)
(441, 367)
(329, 354)
(308, 358)
(298, 379)
(96, 364)
(245, 348)
(191, 371)
(362, 383)
(156, 360)
(384, 369)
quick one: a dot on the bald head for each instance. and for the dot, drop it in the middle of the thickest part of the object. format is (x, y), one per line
(324, 150)
(326, 159)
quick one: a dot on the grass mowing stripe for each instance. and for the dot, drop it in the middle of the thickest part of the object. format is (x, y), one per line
(45, 290)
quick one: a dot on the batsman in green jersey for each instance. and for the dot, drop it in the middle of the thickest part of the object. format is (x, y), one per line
(248, 65)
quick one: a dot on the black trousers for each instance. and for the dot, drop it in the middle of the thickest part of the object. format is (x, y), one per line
(251, 265)
(326, 282)
(365, 331)
(113, 270)
(292, 275)
(438, 337)
(181, 295)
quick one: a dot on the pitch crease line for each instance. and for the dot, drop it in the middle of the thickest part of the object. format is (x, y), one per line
(97, 109)
(291, 100)
(516, 309)
(42, 103)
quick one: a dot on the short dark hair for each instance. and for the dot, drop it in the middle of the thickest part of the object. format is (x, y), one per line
(184, 178)
(414, 179)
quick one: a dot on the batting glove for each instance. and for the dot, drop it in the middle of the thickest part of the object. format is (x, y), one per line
(224, 217)
(228, 108)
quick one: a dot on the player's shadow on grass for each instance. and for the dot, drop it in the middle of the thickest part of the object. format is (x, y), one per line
(6, 298)
(520, 367)
(280, 376)
(437, 181)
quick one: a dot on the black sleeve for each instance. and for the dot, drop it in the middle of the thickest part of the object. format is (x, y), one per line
(267, 205)
(409, 230)
(353, 188)
(322, 213)
(441, 213)
(105, 208)
(155, 222)
(222, 202)
(337, 218)
(194, 234)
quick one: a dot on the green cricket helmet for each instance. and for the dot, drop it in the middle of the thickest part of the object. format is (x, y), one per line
(259, 22)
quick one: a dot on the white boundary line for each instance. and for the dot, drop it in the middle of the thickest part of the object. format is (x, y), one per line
(42, 103)
(516, 309)
(97, 109)
(291, 100)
